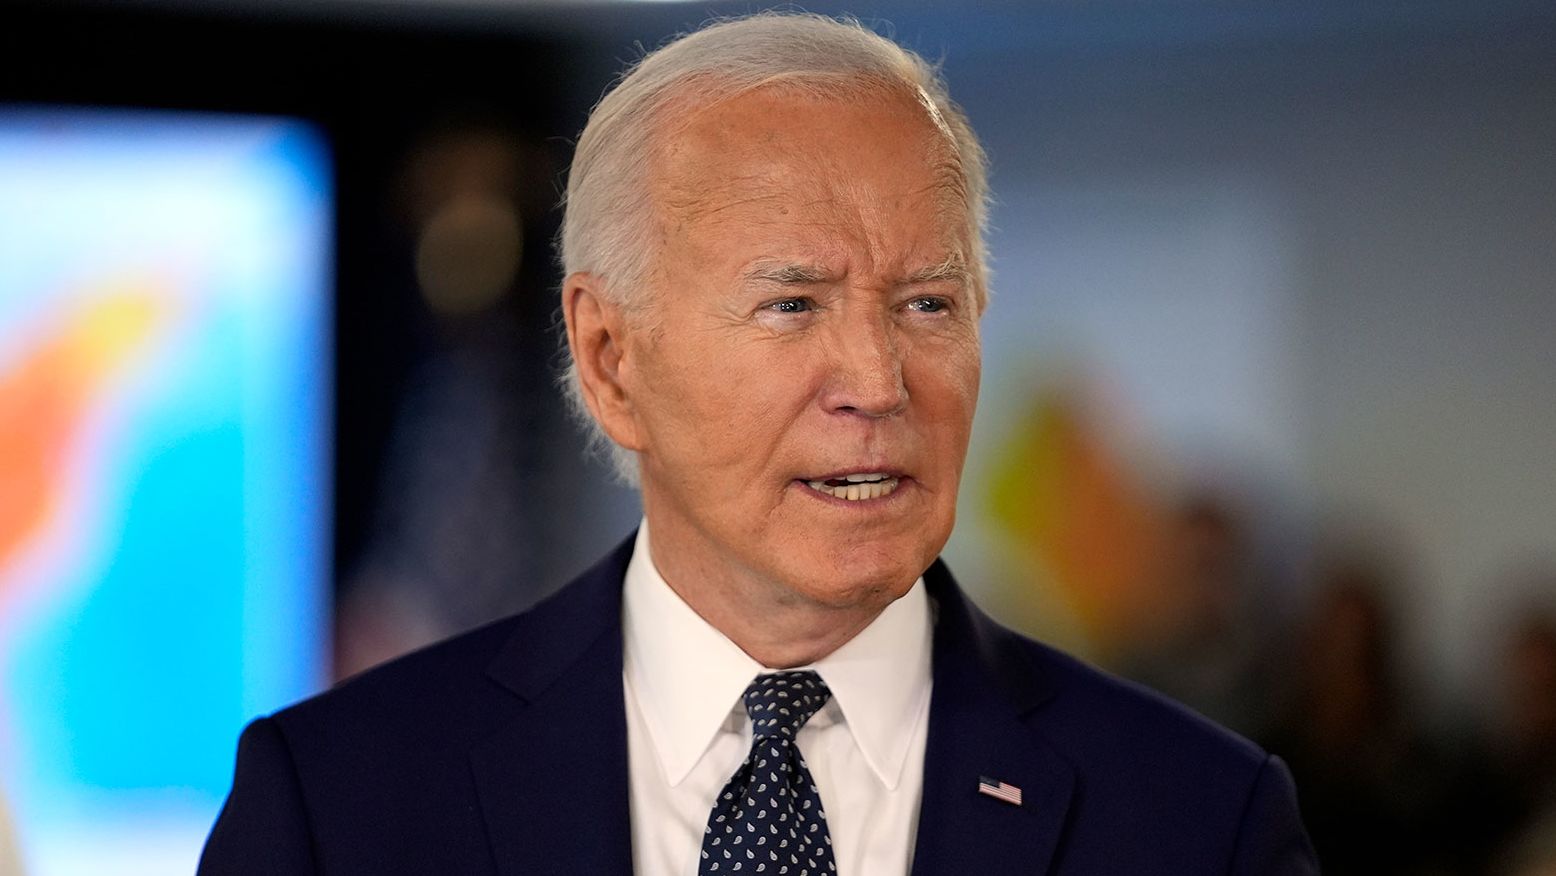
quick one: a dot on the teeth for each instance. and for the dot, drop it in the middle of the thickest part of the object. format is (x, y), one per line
(858, 488)
(861, 478)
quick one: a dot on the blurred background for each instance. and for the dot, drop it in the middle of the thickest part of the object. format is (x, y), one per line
(1268, 419)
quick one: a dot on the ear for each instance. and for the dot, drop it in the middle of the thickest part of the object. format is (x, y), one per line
(597, 335)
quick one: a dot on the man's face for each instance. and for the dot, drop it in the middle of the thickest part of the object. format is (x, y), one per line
(814, 324)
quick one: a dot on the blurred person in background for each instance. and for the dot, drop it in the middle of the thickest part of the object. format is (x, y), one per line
(1206, 648)
(1527, 748)
(1517, 794)
(775, 276)
(1371, 786)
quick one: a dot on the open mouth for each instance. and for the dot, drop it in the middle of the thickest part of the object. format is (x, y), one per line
(857, 487)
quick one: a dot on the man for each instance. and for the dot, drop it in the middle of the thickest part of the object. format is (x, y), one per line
(774, 281)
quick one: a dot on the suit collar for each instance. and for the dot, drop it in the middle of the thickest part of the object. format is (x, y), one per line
(685, 675)
(553, 783)
(986, 691)
(549, 638)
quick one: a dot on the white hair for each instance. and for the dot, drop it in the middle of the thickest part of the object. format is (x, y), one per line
(608, 224)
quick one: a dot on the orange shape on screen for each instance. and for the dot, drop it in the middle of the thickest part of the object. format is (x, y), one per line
(47, 394)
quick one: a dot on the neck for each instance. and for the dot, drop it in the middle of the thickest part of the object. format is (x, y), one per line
(769, 621)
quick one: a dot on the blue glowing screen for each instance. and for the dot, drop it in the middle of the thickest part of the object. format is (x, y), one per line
(165, 299)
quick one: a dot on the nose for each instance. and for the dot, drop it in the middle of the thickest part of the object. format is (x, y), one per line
(866, 366)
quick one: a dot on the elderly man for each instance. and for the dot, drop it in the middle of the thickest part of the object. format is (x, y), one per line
(774, 282)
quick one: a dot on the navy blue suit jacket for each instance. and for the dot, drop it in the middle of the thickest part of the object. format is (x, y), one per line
(504, 751)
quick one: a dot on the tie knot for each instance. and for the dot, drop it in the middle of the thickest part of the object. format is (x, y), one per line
(780, 703)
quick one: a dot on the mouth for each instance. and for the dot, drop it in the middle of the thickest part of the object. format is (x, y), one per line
(857, 487)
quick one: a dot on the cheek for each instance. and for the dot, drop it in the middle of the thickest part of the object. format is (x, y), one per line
(948, 375)
(718, 404)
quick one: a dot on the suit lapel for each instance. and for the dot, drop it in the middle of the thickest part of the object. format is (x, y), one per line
(984, 686)
(553, 783)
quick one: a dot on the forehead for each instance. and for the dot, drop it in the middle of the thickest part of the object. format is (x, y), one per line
(777, 154)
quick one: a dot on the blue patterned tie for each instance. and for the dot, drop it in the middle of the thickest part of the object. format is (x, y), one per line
(768, 819)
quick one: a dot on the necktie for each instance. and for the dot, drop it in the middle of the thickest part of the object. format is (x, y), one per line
(768, 819)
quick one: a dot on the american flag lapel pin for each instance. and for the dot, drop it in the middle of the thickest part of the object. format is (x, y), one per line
(999, 790)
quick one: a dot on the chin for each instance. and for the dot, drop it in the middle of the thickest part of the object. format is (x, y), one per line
(856, 578)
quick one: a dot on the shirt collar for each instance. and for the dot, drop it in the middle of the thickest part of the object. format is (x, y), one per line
(687, 676)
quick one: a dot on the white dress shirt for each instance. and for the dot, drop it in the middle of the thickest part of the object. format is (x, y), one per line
(687, 729)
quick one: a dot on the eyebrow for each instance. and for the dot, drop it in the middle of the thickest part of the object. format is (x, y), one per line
(950, 269)
(789, 274)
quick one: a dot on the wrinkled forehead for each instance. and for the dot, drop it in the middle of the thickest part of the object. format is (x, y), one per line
(775, 159)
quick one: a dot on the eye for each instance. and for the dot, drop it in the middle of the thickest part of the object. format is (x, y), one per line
(928, 304)
(792, 305)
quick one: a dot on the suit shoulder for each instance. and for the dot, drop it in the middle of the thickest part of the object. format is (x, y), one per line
(1105, 725)
(1096, 712)
(1193, 791)
(458, 690)
(400, 693)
